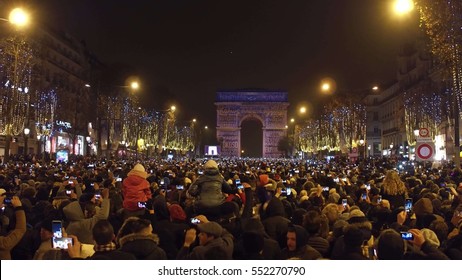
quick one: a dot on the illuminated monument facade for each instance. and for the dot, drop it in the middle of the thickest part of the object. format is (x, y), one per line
(235, 107)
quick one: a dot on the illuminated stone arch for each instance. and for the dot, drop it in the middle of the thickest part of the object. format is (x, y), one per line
(234, 107)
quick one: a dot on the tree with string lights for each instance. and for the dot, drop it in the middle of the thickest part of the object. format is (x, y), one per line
(16, 60)
(442, 22)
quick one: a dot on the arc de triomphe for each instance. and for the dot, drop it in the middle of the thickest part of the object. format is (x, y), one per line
(234, 107)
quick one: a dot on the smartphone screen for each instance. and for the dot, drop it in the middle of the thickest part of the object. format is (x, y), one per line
(289, 191)
(240, 186)
(62, 242)
(179, 187)
(379, 199)
(407, 235)
(408, 205)
(195, 221)
(364, 196)
(141, 204)
(344, 202)
(57, 228)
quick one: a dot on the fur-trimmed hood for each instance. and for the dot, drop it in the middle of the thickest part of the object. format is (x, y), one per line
(136, 236)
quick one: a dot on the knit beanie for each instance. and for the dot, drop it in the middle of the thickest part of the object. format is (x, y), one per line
(139, 171)
(211, 164)
(430, 237)
(423, 206)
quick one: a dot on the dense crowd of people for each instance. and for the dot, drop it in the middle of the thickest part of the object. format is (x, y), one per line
(230, 208)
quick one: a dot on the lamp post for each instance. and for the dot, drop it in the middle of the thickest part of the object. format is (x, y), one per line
(26, 140)
(14, 102)
(362, 143)
(137, 134)
(169, 126)
(88, 138)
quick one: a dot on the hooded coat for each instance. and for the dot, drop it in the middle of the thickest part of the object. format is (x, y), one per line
(271, 249)
(135, 189)
(303, 251)
(224, 243)
(276, 223)
(81, 226)
(143, 247)
(208, 189)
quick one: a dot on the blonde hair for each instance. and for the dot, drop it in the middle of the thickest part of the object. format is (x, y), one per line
(392, 184)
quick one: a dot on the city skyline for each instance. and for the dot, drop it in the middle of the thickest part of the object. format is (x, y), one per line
(186, 51)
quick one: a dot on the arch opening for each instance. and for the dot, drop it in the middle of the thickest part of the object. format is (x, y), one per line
(251, 138)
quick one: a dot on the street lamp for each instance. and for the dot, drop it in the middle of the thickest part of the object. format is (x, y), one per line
(88, 138)
(18, 17)
(363, 147)
(402, 7)
(26, 136)
(137, 134)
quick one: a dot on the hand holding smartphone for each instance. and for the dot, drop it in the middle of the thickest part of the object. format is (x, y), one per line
(344, 203)
(408, 205)
(61, 243)
(406, 235)
(57, 228)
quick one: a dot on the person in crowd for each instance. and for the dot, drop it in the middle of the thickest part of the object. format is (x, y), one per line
(211, 237)
(13, 237)
(135, 189)
(82, 217)
(208, 191)
(394, 189)
(317, 226)
(46, 233)
(136, 237)
(105, 248)
(297, 246)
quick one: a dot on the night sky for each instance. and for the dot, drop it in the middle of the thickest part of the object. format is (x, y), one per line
(192, 48)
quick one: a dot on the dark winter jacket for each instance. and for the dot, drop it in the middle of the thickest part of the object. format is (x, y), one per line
(143, 247)
(208, 189)
(224, 243)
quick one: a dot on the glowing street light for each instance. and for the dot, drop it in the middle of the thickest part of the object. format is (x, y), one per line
(134, 85)
(402, 7)
(328, 86)
(303, 110)
(18, 17)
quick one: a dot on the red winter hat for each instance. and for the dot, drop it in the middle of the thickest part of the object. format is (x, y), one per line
(177, 213)
(264, 179)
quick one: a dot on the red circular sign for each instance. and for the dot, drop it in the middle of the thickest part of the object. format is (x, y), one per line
(424, 132)
(424, 151)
